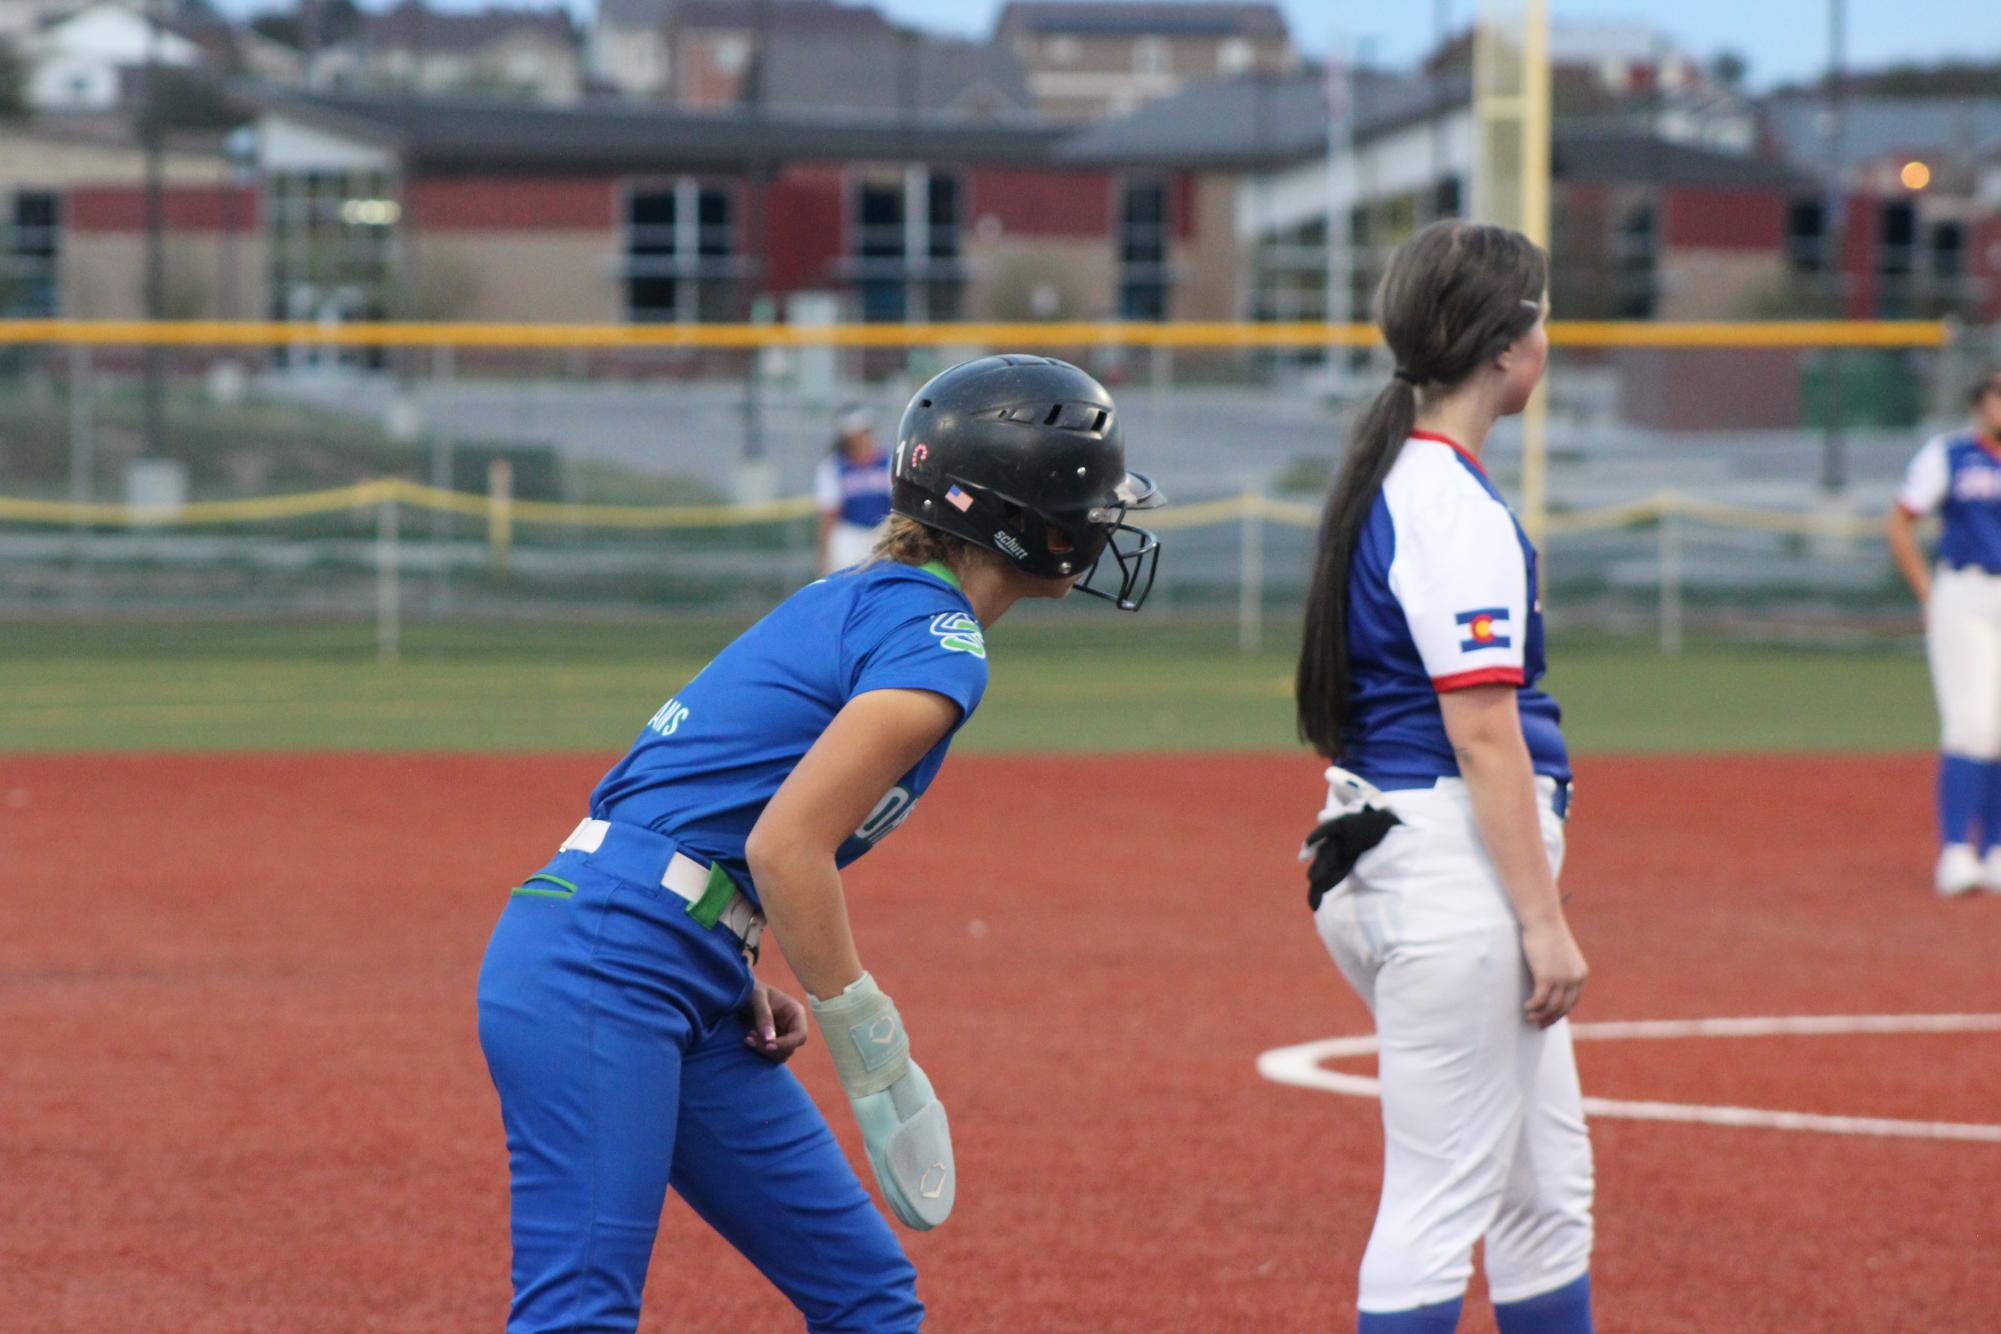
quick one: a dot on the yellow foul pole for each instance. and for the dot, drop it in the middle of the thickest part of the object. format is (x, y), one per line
(1535, 224)
(1511, 120)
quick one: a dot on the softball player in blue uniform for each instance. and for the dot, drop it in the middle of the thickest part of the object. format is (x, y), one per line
(851, 486)
(1433, 869)
(1958, 477)
(613, 997)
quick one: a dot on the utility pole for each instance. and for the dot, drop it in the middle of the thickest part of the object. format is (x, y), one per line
(754, 483)
(1441, 25)
(152, 134)
(1834, 446)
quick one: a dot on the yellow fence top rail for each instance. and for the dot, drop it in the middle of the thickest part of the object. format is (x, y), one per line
(367, 495)
(1566, 333)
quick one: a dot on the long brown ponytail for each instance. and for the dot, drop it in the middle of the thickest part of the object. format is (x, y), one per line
(1455, 296)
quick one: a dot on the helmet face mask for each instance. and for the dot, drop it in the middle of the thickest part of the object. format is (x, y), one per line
(1135, 553)
(1023, 456)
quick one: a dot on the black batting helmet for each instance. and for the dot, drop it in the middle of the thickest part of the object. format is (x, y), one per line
(1023, 455)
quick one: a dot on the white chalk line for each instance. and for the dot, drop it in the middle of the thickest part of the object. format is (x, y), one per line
(1302, 1066)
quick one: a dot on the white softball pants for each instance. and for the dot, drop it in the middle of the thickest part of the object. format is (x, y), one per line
(849, 544)
(1483, 1123)
(1963, 642)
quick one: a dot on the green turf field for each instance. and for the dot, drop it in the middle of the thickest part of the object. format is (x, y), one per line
(1059, 683)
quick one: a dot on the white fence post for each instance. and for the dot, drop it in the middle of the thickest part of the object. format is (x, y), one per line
(444, 370)
(82, 459)
(388, 592)
(1160, 390)
(1251, 575)
(499, 516)
(1668, 528)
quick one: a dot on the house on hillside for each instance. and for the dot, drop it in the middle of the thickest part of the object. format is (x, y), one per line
(798, 54)
(626, 46)
(532, 54)
(711, 44)
(81, 60)
(1092, 58)
(895, 70)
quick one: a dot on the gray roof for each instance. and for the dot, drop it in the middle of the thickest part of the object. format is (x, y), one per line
(867, 73)
(1253, 123)
(1256, 120)
(631, 13)
(1877, 127)
(419, 27)
(1583, 155)
(1118, 18)
(793, 16)
(489, 136)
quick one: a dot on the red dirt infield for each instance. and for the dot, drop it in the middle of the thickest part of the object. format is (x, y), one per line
(240, 1087)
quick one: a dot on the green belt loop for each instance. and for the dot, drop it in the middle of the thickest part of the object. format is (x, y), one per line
(716, 896)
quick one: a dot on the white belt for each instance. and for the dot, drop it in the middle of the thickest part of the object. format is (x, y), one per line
(684, 877)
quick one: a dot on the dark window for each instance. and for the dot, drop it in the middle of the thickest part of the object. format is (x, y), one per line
(1446, 201)
(1948, 251)
(712, 215)
(650, 216)
(1143, 238)
(1806, 236)
(1896, 258)
(1143, 223)
(28, 260)
(1633, 259)
(652, 242)
(652, 299)
(679, 241)
(882, 299)
(1896, 237)
(879, 213)
(942, 205)
(331, 253)
(904, 244)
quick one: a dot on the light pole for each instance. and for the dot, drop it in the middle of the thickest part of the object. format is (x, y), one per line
(1834, 451)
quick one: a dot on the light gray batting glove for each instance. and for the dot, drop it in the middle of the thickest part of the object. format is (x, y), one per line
(903, 1124)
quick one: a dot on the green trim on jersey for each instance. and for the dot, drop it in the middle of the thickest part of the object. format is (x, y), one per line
(943, 571)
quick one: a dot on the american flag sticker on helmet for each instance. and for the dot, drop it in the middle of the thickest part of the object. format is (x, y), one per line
(958, 500)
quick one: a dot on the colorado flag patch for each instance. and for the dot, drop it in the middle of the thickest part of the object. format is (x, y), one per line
(1484, 626)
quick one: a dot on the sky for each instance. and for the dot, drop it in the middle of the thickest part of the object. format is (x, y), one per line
(1784, 40)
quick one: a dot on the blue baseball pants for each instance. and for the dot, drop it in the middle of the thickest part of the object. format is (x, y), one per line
(609, 1019)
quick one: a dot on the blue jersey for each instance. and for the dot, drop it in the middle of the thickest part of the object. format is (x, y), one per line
(713, 755)
(1441, 596)
(1958, 477)
(858, 492)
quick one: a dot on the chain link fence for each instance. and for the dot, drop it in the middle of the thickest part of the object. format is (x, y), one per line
(1701, 479)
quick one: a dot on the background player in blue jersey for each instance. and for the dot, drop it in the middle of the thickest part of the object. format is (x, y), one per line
(613, 995)
(1433, 875)
(1958, 477)
(851, 487)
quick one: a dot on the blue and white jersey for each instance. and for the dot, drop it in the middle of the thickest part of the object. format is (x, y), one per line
(1958, 477)
(713, 755)
(1441, 596)
(858, 492)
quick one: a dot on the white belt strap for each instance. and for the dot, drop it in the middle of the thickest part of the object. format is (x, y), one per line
(685, 877)
(588, 836)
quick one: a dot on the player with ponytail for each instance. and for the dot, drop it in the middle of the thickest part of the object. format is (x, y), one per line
(1433, 868)
(1957, 476)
